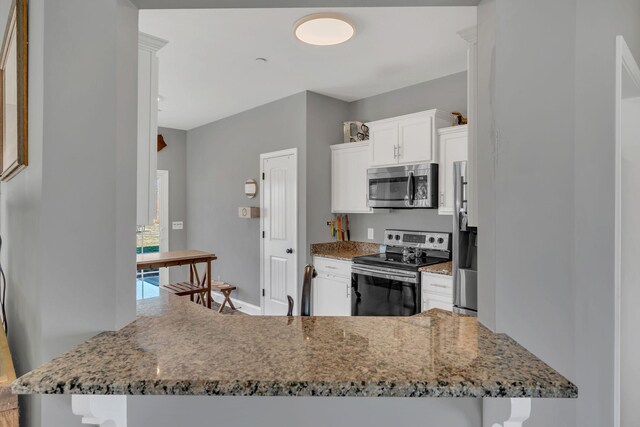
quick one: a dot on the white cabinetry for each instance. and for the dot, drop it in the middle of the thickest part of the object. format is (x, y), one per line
(349, 163)
(453, 148)
(147, 160)
(437, 291)
(406, 139)
(331, 289)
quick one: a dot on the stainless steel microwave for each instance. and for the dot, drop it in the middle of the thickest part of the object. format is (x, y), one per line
(404, 187)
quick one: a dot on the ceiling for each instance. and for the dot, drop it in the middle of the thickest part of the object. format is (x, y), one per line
(208, 70)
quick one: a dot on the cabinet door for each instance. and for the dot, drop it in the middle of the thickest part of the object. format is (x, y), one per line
(349, 163)
(453, 148)
(331, 296)
(384, 142)
(416, 143)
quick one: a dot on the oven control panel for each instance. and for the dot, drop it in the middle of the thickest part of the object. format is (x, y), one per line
(418, 239)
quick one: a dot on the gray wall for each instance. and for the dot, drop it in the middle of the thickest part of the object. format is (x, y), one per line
(162, 411)
(597, 25)
(173, 158)
(68, 219)
(221, 156)
(447, 93)
(558, 256)
(324, 118)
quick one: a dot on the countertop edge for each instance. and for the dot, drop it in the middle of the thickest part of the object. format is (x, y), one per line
(315, 389)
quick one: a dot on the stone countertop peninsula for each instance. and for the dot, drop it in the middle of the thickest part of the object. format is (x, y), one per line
(444, 268)
(344, 251)
(176, 347)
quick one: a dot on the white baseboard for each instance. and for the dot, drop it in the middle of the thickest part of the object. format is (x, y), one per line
(242, 306)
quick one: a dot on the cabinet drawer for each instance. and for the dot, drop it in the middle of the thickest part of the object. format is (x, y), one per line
(437, 284)
(437, 301)
(332, 267)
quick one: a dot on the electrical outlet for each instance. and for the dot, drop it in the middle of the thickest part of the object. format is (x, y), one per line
(370, 233)
(177, 225)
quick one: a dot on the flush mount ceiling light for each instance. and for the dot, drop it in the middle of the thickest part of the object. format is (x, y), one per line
(323, 29)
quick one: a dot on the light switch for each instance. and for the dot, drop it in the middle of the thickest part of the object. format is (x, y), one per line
(177, 225)
(370, 233)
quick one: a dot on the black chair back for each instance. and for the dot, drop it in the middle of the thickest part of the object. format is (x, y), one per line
(305, 302)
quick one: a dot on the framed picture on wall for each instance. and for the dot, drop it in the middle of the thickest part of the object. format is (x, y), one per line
(13, 90)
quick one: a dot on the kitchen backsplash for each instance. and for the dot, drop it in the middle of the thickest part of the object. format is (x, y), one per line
(414, 219)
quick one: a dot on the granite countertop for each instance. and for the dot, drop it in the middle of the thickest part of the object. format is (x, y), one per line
(176, 347)
(345, 251)
(445, 268)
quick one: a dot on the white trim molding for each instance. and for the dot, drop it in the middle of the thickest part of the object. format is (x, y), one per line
(520, 412)
(104, 411)
(625, 63)
(150, 43)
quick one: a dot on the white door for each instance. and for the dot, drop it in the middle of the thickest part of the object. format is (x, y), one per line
(415, 139)
(384, 143)
(279, 226)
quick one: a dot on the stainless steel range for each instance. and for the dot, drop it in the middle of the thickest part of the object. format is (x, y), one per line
(388, 284)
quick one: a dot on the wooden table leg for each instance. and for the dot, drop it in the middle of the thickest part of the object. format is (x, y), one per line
(209, 284)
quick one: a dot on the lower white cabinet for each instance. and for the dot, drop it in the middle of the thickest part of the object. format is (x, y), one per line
(437, 291)
(331, 289)
(453, 148)
(349, 188)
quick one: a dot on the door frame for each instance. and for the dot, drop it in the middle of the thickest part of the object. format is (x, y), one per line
(264, 156)
(163, 178)
(625, 64)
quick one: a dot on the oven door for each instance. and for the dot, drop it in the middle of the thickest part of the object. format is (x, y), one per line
(412, 186)
(383, 292)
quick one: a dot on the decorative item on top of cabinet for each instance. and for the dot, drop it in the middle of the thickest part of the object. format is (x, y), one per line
(458, 119)
(349, 188)
(453, 148)
(407, 139)
(161, 143)
(355, 131)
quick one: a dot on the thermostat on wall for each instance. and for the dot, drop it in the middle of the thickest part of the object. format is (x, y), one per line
(248, 212)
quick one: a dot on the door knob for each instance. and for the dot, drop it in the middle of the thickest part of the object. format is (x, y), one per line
(289, 251)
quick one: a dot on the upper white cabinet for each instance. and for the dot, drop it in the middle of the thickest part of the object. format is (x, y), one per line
(406, 139)
(453, 148)
(349, 163)
(147, 161)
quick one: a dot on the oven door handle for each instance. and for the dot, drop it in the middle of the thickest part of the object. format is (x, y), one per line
(384, 274)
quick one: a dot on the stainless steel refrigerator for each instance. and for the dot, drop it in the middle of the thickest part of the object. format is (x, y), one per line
(465, 248)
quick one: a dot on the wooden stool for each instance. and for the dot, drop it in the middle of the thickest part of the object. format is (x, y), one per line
(191, 289)
(226, 290)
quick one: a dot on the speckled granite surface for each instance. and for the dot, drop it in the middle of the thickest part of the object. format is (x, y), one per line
(179, 348)
(345, 251)
(445, 268)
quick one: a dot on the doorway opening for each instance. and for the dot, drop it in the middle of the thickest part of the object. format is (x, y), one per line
(627, 238)
(154, 238)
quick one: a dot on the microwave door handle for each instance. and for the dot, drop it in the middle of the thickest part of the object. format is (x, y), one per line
(410, 190)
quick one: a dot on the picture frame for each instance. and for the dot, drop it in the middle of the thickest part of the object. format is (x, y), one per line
(14, 153)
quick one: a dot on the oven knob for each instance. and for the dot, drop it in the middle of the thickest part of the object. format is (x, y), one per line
(432, 239)
(390, 237)
(440, 240)
(397, 237)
